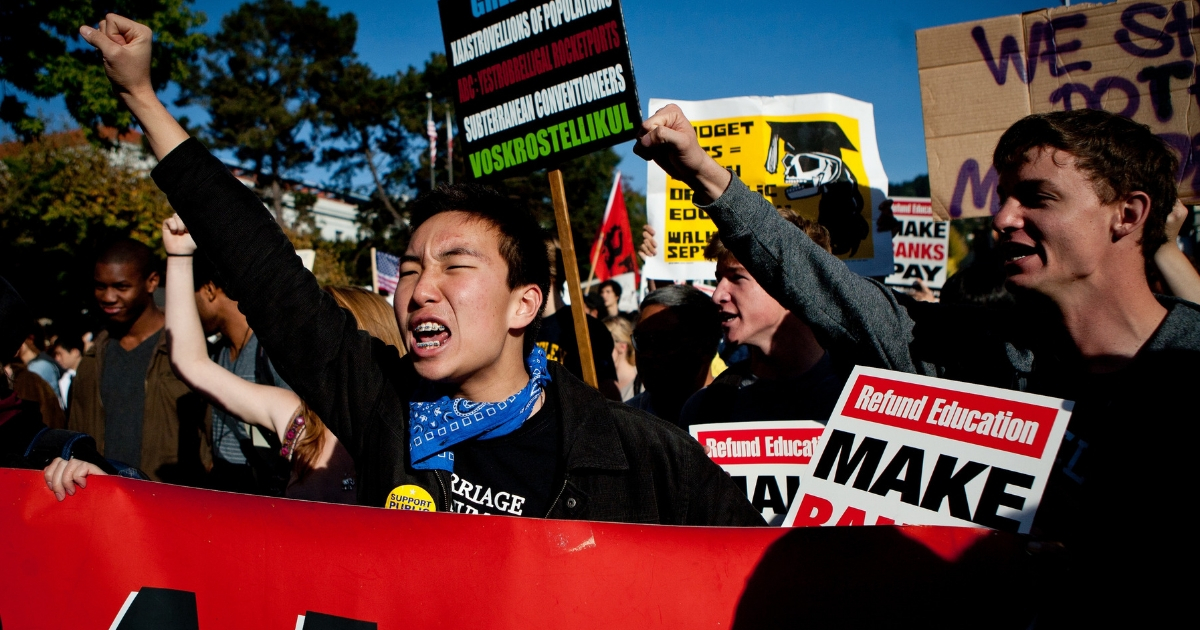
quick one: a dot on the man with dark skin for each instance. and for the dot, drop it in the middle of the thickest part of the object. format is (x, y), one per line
(233, 439)
(676, 339)
(125, 393)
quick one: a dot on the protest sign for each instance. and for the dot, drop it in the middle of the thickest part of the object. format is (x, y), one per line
(537, 84)
(153, 555)
(764, 458)
(902, 448)
(977, 78)
(813, 154)
(921, 248)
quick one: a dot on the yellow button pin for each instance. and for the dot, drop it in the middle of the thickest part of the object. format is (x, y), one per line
(410, 497)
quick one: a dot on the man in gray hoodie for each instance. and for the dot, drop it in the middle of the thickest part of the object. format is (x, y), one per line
(1084, 198)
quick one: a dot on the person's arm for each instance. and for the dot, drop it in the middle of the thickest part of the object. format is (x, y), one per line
(851, 315)
(317, 349)
(268, 407)
(126, 47)
(1177, 270)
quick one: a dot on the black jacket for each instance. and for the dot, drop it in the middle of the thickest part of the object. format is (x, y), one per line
(621, 464)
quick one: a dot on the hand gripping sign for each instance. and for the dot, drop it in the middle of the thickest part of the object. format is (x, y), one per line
(765, 459)
(907, 449)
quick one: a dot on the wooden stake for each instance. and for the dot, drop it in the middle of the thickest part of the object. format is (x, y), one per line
(374, 272)
(567, 243)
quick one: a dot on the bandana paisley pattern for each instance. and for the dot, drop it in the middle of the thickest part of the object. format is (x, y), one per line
(436, 426)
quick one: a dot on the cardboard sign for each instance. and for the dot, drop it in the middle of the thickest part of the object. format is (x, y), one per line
(764, 458)
(977, 78)
(537, 83)
(812, 154)
(902, 448)
(922, 247)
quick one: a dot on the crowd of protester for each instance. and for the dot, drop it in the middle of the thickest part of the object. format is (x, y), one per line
(474, 380)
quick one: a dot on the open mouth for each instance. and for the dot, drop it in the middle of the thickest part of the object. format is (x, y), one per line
(1012, 253)
(430, 334)
(726, 317)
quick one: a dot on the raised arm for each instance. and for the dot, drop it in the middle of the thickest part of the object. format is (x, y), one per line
(271, 408)
(1176, 269)
(313, 343)
(857, 318)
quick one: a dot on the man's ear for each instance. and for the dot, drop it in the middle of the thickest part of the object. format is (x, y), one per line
(1131, 215)
(152, 280)
(208, 291)
(528, 305)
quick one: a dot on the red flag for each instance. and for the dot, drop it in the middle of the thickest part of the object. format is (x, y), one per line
(612, 253)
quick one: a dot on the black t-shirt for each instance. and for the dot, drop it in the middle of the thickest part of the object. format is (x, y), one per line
(123, 391)
(557, 337)
(517, 474)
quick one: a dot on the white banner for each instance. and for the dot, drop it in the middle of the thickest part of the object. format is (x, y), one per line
(915, 450)
(765, 459)
(922, 248)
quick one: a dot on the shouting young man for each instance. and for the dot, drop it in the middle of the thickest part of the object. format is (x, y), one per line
(788, 375)
(1085, 195)
(472, 418)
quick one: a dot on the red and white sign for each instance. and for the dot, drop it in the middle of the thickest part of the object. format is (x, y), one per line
(765, 458)
(922, 248)
(908, 449)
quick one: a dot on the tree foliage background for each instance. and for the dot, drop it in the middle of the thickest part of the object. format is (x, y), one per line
(283, 90)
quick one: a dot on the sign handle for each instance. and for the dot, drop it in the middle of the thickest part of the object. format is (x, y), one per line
(567, 243)
(374, 272)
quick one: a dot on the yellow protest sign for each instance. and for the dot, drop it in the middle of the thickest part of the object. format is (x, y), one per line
(815, 155)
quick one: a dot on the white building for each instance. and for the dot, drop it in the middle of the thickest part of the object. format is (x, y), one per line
(335, 214)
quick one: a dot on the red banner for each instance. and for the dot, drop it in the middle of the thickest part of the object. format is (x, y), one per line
(137, 549)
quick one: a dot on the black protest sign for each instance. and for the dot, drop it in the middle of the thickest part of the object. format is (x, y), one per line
(538, 83)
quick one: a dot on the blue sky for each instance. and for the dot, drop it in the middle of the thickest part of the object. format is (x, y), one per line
(701, 49)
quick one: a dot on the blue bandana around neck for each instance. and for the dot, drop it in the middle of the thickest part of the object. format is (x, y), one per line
(436, 426)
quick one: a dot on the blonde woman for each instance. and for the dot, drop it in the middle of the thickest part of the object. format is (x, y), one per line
(623, 357)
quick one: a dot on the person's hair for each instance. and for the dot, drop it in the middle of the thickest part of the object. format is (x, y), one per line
(372, 313)
(622, 332)
(698, 315)
(204, 272)
(1118, 155)
(308, 449)
(522, 239)
(616, 287)
(595, 302)
(127, 251)
(70, 339)
(716, 250)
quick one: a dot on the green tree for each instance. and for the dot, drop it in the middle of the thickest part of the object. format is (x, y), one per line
(915, 187)
(361, 116)
(61, 200)
(41, 55)
(259, 89)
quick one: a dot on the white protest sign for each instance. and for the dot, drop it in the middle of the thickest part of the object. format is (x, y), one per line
(915, 450)
(813, 154)
(765, 459)
(922, 247)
